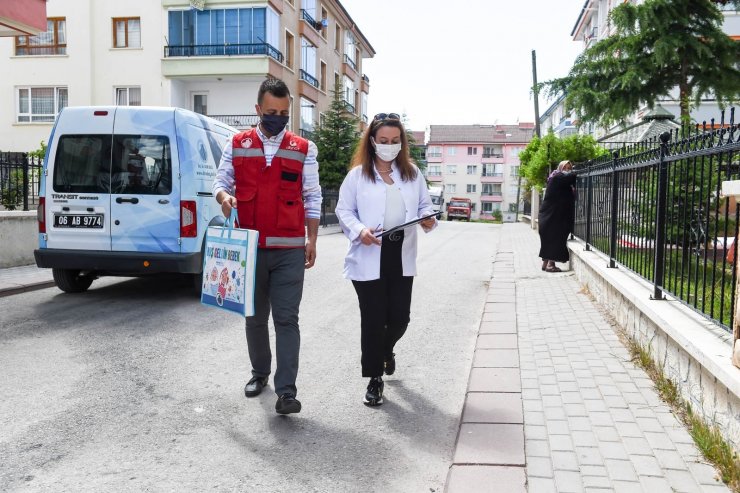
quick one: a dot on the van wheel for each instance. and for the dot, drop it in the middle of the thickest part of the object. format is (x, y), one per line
(70, 281)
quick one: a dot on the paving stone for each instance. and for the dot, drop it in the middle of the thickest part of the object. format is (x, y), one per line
(589, 456)
(637, 446)
(499, 317)
(490, 444)
(626, 486)
(584, 439)
(649, 424)
(681, 481)
(553, 413)
(557, 427)
(620, 470)
(596, 482)
(659, 441)
(629, 430)
(498, 327)
(463, 479)
(613, 450)
(670, 459)
(564, 461)
(646, 465)
(497, 341)
(541, 485)
(493, 407)
(537, 448)
(703, 473)
(594, 471)
(568, 481)
(533, 417)
(561, 443)
(535, 432)
(655, 484)
(496, 358)
(540, 467)
(494, 380)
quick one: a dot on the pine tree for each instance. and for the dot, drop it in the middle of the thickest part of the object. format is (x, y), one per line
(656, 46)
(336, 139)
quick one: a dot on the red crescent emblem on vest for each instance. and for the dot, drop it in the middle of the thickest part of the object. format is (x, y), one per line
(246, 143)
(293, 143)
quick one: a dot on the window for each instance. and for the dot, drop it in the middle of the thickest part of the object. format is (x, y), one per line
(493, 151)
(512, 207)
(496, 189)
(322, 76)
(434, 151)
(472, 151)
(514, 152)
(349, 92)
(324, 21)
(138, 164)
(486, 207)
(450, 188)
(488, 170)
(471, 188)
(308, 62)
(434, 171)
(472, 207)
(487, 189)
(310, 7)
(451, 151)
(40, 104)
(289, 48)
(337, 38)
(240, 31)
(131, 96)
(200, 103)
(51, 42)
(363, 103)
(491, 169)
(126, 32)
(472, 169)
(451, 169)
(514, 171)
(307, 115)
(349, 47)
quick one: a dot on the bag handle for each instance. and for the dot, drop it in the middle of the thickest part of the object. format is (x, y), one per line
(230, 222)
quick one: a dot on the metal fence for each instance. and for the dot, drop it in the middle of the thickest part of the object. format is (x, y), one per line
(656, 208)
(20, 178)
(328, 217)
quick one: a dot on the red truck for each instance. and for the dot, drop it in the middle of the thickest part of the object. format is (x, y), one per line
(459, 208)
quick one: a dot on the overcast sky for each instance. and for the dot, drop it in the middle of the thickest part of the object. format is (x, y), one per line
(463, 62)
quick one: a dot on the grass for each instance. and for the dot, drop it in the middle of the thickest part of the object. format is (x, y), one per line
(707, 437)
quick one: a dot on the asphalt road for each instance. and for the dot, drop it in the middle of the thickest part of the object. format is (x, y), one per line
(135, 386)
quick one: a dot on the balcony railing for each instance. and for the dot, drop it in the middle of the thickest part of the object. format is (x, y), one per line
(306, 134)
(349, 107)
(364, 118)
(366, 78)
(317, 25)
(434, 154)
(223, 50)
(309, 78)
(40, 50)
(237, 121)
(492, 155)
(489, 173)
(350, 62)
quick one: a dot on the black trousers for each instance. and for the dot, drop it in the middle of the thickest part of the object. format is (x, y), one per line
(385, 306)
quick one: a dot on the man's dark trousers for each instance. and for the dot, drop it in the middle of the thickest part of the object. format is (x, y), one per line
(278, 285)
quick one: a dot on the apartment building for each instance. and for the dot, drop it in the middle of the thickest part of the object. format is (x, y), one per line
(480, 162)
(592, 25)
(204, 55)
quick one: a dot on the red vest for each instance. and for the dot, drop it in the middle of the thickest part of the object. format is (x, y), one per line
(270, 198)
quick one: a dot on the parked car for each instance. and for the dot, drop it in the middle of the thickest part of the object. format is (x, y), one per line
(459, 208)
(127, 191)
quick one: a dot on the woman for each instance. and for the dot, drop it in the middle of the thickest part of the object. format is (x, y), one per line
(383, 189)
(556, 216)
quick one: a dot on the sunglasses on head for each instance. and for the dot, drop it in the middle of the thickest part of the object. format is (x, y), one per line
(386, 116)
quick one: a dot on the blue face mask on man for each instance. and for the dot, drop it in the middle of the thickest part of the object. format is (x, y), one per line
(273, 124)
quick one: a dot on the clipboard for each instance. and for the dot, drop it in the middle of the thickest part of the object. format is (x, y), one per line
(408, 224)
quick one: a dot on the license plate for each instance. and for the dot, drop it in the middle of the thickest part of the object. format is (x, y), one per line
(94, 221)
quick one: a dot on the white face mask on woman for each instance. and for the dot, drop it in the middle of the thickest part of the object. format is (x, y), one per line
(387, 152)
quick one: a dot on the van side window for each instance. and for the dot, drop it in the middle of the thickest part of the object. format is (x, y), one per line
(141, 165)
(79, 162)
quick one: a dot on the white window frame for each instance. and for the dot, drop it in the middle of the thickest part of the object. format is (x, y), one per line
(30, 115)
(305, 104)
(486, 207)
(472, 169)
(128, 95)
(471, 188)
(451, 188)
(451, 151)
(451, 169)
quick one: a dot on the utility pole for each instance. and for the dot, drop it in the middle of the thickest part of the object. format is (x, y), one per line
(536, 92)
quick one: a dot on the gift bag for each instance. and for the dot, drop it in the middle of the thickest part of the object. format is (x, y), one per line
(229, 266)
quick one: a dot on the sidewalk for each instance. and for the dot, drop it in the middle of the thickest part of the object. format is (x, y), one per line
(14, 280)
(554, 403)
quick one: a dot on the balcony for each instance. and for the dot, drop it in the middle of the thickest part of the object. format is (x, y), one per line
(493, 197)
(240, 122)
(350, 62)
(309, 78)
(317, 25)
(40, 50)
(493, 157)
(434, 178)
(365, 84)
(348, 107)
(487, 177)
(225, 59)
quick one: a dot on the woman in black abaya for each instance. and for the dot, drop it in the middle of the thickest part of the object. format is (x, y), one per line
(556, 216)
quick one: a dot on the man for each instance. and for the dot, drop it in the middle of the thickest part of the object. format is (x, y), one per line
(271, 177)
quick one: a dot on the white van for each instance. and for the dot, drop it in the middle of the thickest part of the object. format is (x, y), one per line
(127, 191)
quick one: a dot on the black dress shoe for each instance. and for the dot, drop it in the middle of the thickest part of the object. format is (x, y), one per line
(390, 365)
(287, 404)
(254, 386)
(374, 394)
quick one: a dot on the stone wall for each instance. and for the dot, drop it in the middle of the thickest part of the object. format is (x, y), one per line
(692, 351)
(18, 238)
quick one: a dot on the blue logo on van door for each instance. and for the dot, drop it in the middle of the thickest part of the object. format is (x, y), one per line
(202, 150)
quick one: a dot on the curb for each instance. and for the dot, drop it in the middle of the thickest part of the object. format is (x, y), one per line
(9, 291)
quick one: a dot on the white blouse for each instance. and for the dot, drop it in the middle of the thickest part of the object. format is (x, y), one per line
(362, 204)
(395, 209)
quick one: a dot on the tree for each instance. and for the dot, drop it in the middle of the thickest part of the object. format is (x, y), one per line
(656, 46)
(416, 154)
(336, 139)
(542, 155)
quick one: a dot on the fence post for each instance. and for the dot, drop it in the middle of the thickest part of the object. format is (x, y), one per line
(660, 218)
(589, 194)
(615, 205)
(25, 181)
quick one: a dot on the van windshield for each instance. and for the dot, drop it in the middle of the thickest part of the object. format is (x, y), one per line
(124, 164)
(458, 203)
